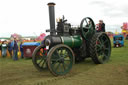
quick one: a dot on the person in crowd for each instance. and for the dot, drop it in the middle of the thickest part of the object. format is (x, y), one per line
(42, 42)
(34, 40)
(21, 50)
(0, 47)
(9, 48)
(4, 49)
(14, 45)
(101, 27)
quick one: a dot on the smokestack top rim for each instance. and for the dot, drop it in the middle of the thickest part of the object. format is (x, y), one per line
(51, 4)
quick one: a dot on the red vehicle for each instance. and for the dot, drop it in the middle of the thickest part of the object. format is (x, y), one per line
(28, 48)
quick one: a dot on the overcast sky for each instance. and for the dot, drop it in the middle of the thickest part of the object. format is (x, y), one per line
(30, 17)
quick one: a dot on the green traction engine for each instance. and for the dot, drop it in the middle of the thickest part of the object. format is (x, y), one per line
(67, 45)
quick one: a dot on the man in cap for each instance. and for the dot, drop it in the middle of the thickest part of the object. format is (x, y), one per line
(15, 49)
(101, 27)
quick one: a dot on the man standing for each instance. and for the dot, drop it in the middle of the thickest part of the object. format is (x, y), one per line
(101, 27)
(10, 48)
(15, 49)
(4, 49)
(21, 50)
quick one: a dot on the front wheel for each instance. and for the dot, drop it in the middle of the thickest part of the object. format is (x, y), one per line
(60, 59)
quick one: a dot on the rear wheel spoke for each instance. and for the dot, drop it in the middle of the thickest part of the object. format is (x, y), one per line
(105, 41)
(98, 50)
(40, 61)
(106, 49)
(98, 45)
(43, 63)
(39, 58)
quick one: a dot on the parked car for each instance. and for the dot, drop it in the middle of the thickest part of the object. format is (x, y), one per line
(118, 40)
(28, 48)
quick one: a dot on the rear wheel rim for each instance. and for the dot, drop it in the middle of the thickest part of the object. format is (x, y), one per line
(103, 48)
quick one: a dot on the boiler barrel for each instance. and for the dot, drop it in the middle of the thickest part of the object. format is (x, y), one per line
(72, 41)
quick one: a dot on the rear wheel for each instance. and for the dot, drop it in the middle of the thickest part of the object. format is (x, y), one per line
(100, 48)
(60, 60)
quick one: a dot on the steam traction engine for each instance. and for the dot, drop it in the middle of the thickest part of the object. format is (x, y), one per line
(66, 45)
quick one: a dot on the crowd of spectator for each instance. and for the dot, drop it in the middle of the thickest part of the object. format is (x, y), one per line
(12, 47)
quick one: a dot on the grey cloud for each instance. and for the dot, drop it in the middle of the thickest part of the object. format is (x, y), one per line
(125, 10)
(111, 9)
(113, 28)
(99, 3)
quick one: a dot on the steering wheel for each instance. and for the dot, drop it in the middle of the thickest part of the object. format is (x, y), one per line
(87, 27)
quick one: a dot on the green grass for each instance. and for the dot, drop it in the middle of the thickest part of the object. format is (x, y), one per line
(22, 72)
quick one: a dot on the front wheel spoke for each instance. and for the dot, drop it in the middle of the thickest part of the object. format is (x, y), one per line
(53, 64)
(57, 67)
(64, 66)
(58, 54)
(66, 60)
(55, 56)
(55, 60)
(65, 55)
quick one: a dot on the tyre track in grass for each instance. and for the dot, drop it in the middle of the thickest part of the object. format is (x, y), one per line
(106, 74)
(23, 73)
(72, 74)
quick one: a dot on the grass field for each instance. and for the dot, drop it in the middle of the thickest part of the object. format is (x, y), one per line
(22, 72)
